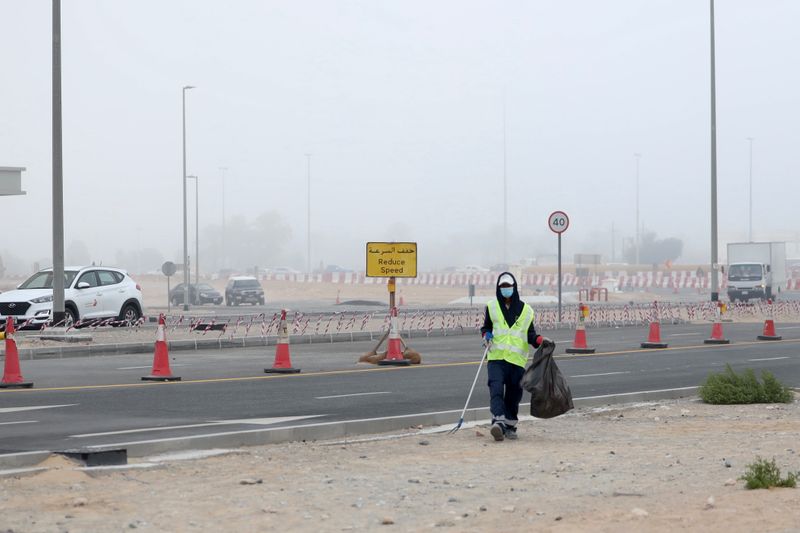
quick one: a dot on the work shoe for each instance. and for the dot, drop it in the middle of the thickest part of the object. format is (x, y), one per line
(497, 431)
(511, 433)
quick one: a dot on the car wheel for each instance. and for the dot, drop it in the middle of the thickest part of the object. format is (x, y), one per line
(129, 314)
(261, 301)
(70, 317)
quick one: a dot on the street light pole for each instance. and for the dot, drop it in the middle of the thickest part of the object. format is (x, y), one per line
(750, 232)
(185, 235)
(58, 176)
(637, 156)
(505, 188)
(308, 222)
(714, 259)
(223, 169)
(196, 229)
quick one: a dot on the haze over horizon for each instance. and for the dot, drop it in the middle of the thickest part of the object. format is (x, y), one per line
(401, 106)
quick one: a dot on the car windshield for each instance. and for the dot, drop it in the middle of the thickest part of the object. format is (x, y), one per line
(744, 272)
(205, 287)
(44, 280)
(248, 284)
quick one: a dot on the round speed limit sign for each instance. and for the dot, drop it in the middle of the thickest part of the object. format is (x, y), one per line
(558, 221)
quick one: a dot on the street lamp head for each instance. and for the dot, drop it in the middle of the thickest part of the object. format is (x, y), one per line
(189, 87)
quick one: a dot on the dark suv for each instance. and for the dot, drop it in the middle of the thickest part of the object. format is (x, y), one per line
(243, 289)
(207, 294)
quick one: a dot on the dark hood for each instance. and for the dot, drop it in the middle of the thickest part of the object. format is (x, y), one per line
(514, 297)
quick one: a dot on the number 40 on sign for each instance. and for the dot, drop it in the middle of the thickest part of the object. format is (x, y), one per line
(558, 221)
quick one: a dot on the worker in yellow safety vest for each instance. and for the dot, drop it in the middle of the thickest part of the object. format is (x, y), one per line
(507, 330)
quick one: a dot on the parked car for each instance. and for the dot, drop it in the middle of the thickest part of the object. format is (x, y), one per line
(243, 289)
(198, 294)
(336, 268)
(474, 269)
(89, 293)
(282, 270)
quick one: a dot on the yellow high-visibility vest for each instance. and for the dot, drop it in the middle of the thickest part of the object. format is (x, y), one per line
(509, 343)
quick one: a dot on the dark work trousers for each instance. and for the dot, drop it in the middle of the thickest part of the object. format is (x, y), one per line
(505, 391)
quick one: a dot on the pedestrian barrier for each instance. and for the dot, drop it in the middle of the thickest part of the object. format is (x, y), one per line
(12, 376)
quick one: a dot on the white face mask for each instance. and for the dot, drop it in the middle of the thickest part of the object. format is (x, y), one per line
(506, 291)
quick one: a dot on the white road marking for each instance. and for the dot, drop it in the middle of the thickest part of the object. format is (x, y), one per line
(32, 408)
(338, 422)
(685, 334)
(632, 393)
(595, 375)
(770, 359)
(254, 421)
(145, 366)
(790, 327)
(18, 422)
(349, 395)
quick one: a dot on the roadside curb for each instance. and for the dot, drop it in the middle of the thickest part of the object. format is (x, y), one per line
(325, 430)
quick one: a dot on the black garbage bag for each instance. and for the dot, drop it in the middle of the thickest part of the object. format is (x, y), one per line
(550, 394)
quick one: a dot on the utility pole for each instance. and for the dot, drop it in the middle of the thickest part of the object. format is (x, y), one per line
(58, 176)
(750, 232)
(505, 188)
(638, 232)
(223, 169)
(613, 244)
(308, 209)
(185, 234)
(714, 245)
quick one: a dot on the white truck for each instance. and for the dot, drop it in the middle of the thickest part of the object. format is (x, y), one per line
(756, 270)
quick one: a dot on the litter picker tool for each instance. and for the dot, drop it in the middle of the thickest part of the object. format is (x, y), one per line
(469, 396)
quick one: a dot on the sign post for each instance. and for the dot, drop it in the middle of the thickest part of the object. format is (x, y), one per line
(392, 260)
(168, 269)
(558, 221)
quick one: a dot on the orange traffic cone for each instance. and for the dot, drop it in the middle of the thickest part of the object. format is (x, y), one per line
(654, 338)
(769, 327)
(283, 362)
(717, 337)
(12, 377)
(161, 370)
(579, 344)
(394, 353)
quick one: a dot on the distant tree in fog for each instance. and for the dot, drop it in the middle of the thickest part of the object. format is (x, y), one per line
(655, 251)
(139, 261)
(77, 254)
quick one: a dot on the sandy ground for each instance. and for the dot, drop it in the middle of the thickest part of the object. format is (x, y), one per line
(665, 466)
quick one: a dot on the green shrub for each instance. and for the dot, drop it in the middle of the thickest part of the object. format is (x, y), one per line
(731, 388)
(764, 474)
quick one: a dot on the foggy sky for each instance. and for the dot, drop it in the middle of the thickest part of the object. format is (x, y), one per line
(401, 106)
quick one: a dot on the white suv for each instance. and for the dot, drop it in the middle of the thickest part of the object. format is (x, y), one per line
(90, 293)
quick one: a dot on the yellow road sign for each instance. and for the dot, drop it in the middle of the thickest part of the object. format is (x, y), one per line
(392, 259)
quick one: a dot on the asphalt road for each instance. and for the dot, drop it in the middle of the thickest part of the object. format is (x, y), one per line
(101, 400)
